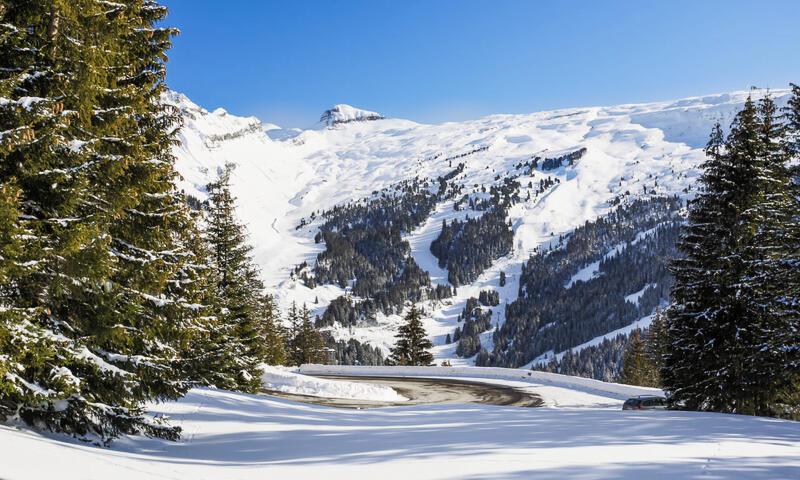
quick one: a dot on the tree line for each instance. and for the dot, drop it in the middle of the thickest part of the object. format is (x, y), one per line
(629, 249)
(467, 248)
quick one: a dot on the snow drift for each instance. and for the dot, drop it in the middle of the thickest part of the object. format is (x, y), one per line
(284, 380)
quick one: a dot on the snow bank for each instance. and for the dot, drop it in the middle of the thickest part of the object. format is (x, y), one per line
(283, 380)
(615, 390)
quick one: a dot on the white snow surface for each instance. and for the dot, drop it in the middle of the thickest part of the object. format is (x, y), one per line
(284, 175)
(282, 379)
(228, 435)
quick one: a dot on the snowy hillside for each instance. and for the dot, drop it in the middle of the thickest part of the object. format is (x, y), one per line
(285, 180)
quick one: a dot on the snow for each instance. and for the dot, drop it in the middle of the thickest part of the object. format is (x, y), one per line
(563, 388)
(230, 435)
(285, 175)
(284, 380)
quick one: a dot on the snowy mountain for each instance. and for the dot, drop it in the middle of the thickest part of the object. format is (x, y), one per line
(344, 113)
(554, 171)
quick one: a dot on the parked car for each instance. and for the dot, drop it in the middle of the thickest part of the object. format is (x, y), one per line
(645, 402)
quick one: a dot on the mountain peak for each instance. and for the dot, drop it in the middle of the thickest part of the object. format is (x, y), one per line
(343, 113)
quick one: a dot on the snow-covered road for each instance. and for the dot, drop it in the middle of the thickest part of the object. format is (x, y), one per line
(236, 436)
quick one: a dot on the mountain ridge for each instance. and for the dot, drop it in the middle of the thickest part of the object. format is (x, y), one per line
(286, 179)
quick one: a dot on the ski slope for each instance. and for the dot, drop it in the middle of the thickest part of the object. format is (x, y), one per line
(282, 176)
(229, 435)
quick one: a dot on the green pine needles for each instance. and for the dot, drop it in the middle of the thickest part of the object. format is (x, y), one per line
(110, 297)
(411, 348)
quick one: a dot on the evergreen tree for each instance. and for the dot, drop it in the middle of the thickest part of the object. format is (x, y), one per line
(309, 344)
(696, 276)
(791, 115)
(655, 340)
(106, 306)
(786, 337)
(637, 367)
(772, 272)
(272, 333)
(704, 366)
(290, 341)
(412, 343)
(238, 291)
(732, 327)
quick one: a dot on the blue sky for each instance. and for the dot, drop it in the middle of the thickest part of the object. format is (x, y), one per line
(438, 60)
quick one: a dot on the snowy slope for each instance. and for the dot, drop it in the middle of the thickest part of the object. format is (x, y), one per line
(229, 435)
(283, 176)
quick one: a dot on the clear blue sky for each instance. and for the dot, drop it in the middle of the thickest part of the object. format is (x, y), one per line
(436, 60)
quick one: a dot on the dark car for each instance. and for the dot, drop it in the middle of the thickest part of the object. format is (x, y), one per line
(645, 402)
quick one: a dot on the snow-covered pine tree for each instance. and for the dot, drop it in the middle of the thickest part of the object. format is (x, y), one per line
(309, 344)
(787, 338)
(27, 349)
(773, 273)
(207, 356)
(791, 117)
(412, 343)
(89, 148)
(696, 306)
(730, 297)
(238, 290)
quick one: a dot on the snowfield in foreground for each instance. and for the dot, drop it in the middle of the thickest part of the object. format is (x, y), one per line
(230, 435)
(284, 380)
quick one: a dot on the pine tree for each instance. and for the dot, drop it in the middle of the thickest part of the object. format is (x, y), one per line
(238, 291)
(786, 337)
(108, 302)
(791, 116)
(309, 345)
(733, 299)
(290, 341)
(411, 347)
(637, 366)
(773, 261)
(209, 356)
(272, 333)
(705, 365)
(655, 341)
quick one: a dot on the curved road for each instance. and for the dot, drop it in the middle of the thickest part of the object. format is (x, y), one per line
(427, 391)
